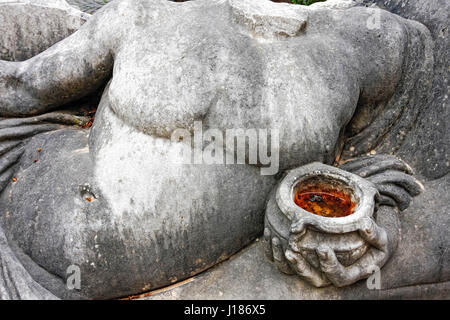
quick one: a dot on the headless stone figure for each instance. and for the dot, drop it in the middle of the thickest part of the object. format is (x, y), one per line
(116, 201)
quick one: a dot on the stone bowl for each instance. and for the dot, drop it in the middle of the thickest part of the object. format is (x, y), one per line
(339, 233)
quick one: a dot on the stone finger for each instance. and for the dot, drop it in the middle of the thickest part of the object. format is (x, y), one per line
(364, 161)
(268, 244)
(385, 200)
(277, 249)
(374, 234)
(305, 270)
(406, 181)
(298, 228)
(401, 197)
(384, 165)
(330, 266)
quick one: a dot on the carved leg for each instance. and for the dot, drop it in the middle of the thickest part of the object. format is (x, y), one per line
(15, 281)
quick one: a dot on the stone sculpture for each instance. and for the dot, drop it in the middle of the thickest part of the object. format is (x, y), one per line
(337, 80)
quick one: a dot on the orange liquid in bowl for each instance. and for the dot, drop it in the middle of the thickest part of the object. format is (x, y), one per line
(325, 203)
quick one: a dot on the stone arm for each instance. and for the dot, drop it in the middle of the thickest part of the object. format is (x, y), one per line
(67, 71)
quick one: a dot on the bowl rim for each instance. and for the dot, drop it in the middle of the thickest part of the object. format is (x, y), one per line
(363, 189)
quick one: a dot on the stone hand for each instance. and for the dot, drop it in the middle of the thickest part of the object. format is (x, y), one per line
(392, 177)
(300, 248)
(291, 262)
(371, 261)
(330, 269)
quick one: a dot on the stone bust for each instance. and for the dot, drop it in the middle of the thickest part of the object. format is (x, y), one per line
(114, 200)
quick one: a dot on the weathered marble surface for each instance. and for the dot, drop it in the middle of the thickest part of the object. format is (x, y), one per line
(427, 147)
(132, 239)
(29, 27)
